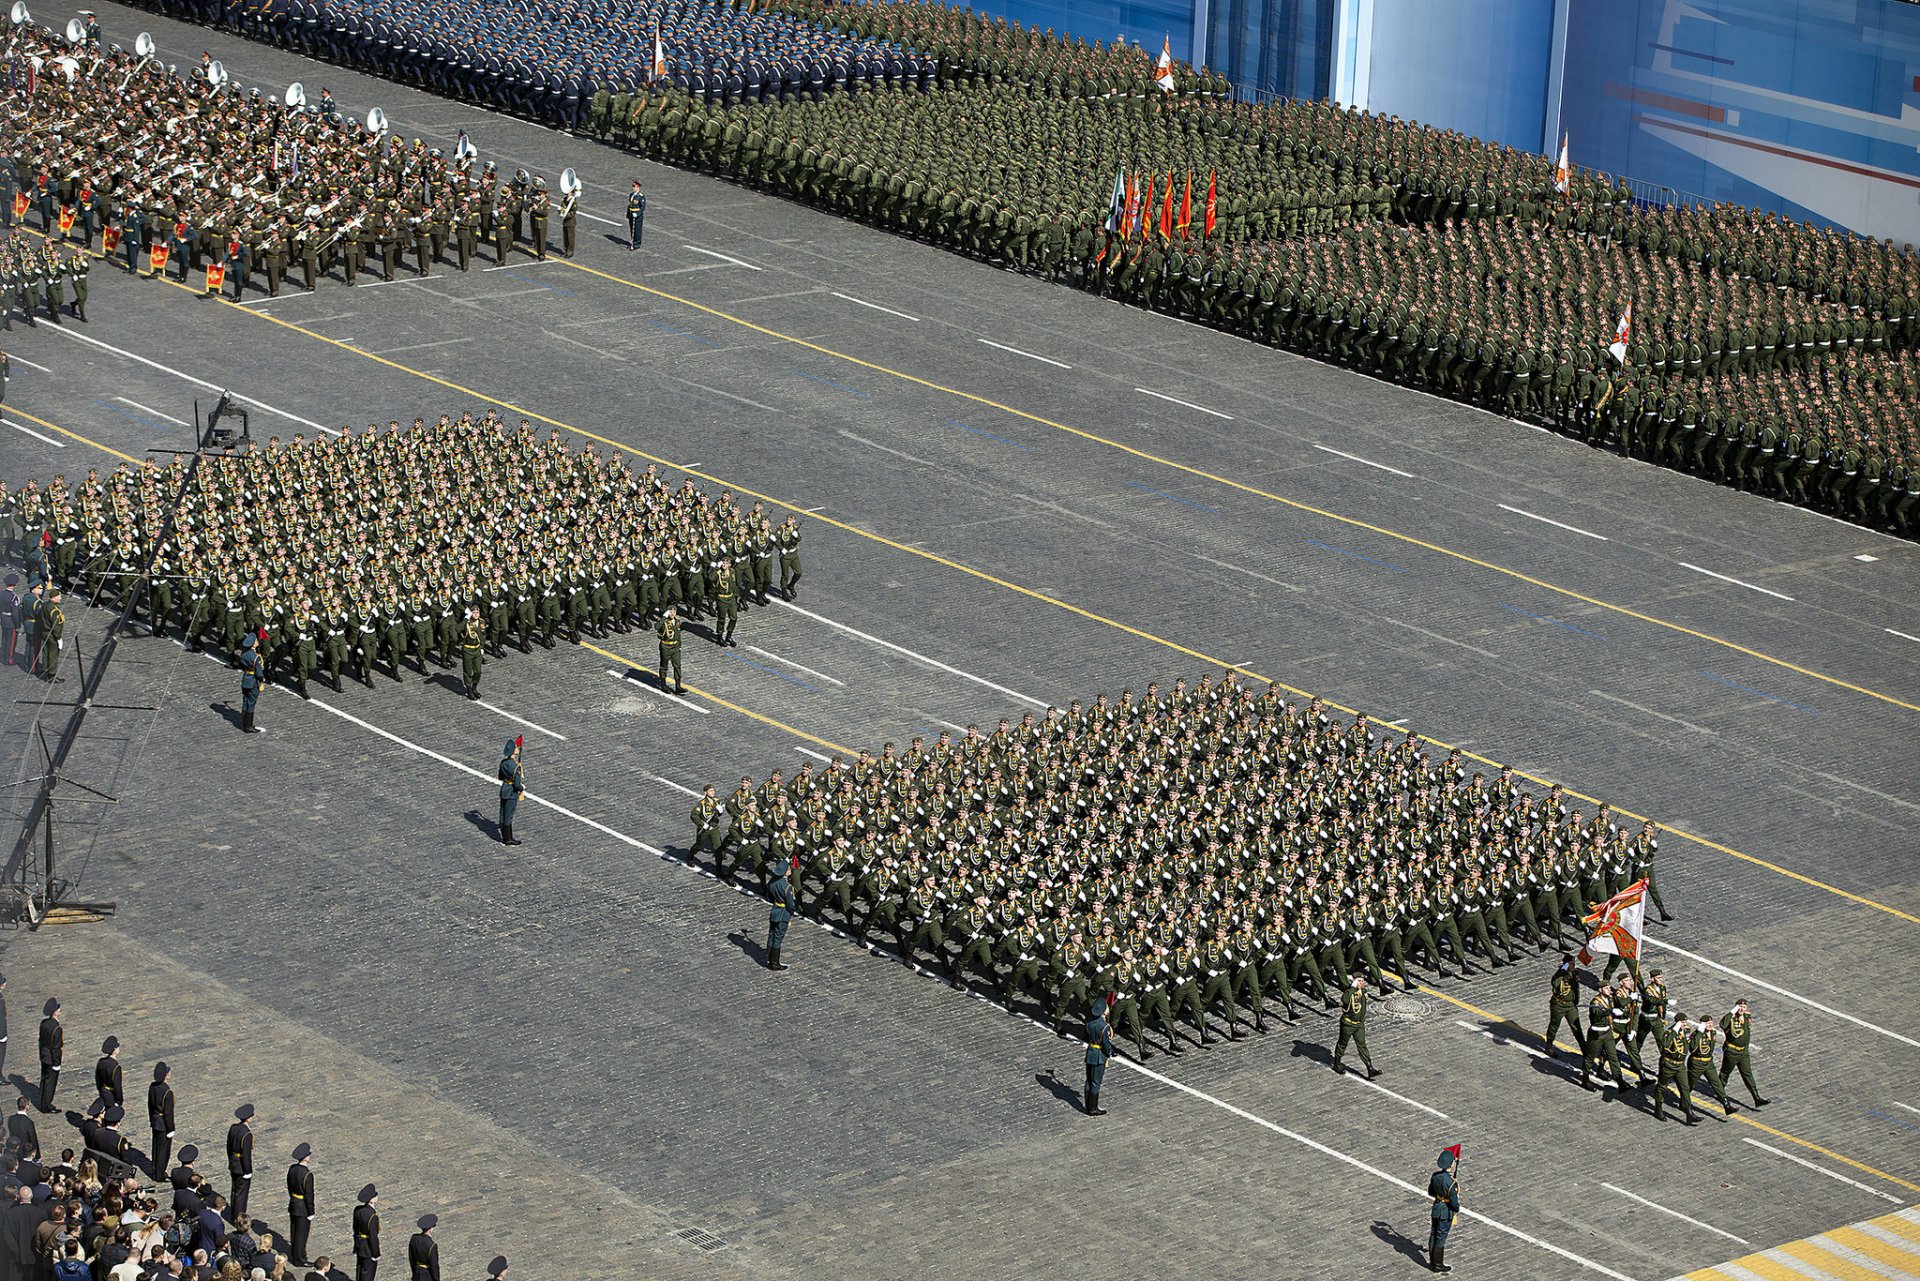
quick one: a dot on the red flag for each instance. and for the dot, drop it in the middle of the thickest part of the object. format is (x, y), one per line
(1455, 1149)
(1146, 213)
(519, 740)
(109, 238)
(157, 259)
(1166, 211)
(1212, 203)
(20, 205)
(216, 277)
(66, 219)
(1133, 209)
(1186, 207)
(263, 635)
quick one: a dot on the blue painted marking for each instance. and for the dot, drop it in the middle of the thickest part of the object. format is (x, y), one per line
(564, 293)
(1761, 693)
(1175, 498)
(1556, 622)
(851, 391)
(771, 672)
(681, 333)
(1341, 551)
(128, 413)
(1882, 1116)
(990, 436)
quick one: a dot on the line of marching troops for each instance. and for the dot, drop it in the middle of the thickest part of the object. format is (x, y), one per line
(430, 541)
(34, 275)
(1195, 852)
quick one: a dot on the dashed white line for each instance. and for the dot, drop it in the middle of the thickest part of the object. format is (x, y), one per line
(1841, 1178)
(1446, 640)
(1497, 1039)
(1358, 1164)
(1866, 559)
(611, 222)
(1241, 569)
(186, 377)
(1571, 529)
(1188, 403)
(1908, 1107)
(958, 729)
(1328, 449)
(818, 756)
(509, 266)
(722, 257)
(1781, 991)
(630, 679)
(667, 782)
(1765, 591)
(147, 409)
(519, 720)
(798, 667)
(30, 365)
(876, 306)
(916, 657)
(1685, 1218)
(1045, 360)
(1360, 1079)
(57, 444)
(1699, 729)
(1902, 635)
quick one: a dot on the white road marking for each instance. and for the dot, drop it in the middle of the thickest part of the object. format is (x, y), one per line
(30, 365)
(818, 756)
(902, 454)
(722, 257)
(676, 787)
(1781, 991)
(518, 720)
(1358, 1164)
(958, 729)
(1188, 403)
(1908, 1107)
(798, 667)
(916, 657)
(601, 352)
(186, 377)
(1497, 1039)
(1655, 1205)
(1045, 360)
(676, 699)
(1238, 569)
(731, 396)
(178, 422)
(1902, 635)
(486, 778)
(876, 306)
(1701, 729)
(531, 262)
(421, 346)
(1571, 529)
(611, 222)
(1865, 559)
(1765, 1147)
(261, 302)
(1448, 640)
(1325, 449)
(57, 444)
(1360, 1078)
(1766, 591)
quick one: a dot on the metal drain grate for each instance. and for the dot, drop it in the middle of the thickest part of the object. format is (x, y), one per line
(1407, 1009)
(701, 1239)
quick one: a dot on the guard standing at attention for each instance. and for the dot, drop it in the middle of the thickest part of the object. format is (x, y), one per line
(160, 1118)
(668, 629)
(423, 1254)
(253, 674)
(1443, 1188)
(366, 1234)
(108, 1080)
(300, 1204)
(1099, 1049)
(784, 906)
(636, 215)
(512, 784)
(240, 1163)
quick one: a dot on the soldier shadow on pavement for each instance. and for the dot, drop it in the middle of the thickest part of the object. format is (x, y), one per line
(1057, 1088)
(486, 826)
(1313, 1050)
(1400, 1241)
(446, 680)
(614, 239)
(229, 711)
(753, 950)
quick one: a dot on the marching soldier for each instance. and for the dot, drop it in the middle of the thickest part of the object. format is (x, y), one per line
(668, 631)
(1700, 1045)
(1563, 1004)
(1353, 1026)
(1673, 1070)
(1737, 1026)
(473, 639)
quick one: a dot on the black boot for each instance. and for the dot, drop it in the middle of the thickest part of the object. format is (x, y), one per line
(1440, 1260)
(1173, 1044)
(301, 689)
(246, 722)
(506, 835)
(1372, 1071)
(1093, 1106)
(773, 960)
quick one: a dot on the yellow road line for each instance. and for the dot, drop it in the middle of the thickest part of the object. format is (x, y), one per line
(985, 577)
(1877, 1250)
(782, 726)
(1900, 1223)
(1760, 1265)
(1841, 1268)
(18, 412)
(1242, 486)
(1710, 1274)
(1502, 1020)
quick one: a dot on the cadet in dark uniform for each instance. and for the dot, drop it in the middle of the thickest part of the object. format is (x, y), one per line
(253, 674)
(108, 1080)
(366, 1234)
(669, 633)
(53, 1043)
(1099, 1049)
(160, 1118)
(423, 1254)
(52, 624)
(1443, 1190)
(1737, 1024)
(240, 1163)
(636, 215)
(473, 639)
(1353, 1026)
(300, 1204)
(512, 784)
(784, 906)
(1563, 1004)
(1673, 1070)
(726, 603)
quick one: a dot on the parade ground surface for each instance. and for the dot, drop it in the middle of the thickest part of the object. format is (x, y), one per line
(1018, 495)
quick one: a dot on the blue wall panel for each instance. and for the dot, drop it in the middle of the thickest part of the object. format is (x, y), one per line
(1479, 66)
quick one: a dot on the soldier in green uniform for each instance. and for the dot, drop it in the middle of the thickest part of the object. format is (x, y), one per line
(1600, 1043)
(787, 540)
(253, 674)
(1353, 1026)
(778, 914)
(1673, 1070)
(726, 603)
(1099, 1037)
(709, 821)
(53, 625)
(668, 630)
(1700, 1045)
(1653, 1008)
(1737, 1026)
(1563, 1003)
(473, 640)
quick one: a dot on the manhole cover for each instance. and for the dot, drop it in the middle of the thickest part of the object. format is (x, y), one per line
(1408, 1009)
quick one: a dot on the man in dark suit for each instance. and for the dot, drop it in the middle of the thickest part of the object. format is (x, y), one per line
(211, 1233)
(160, 1119)
(23, 1136)
(107, 1077)
(240, 1162)
(366, 1234)
(53, 1043)
(300, 1203)
(17, 1224)
(423, 1254)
